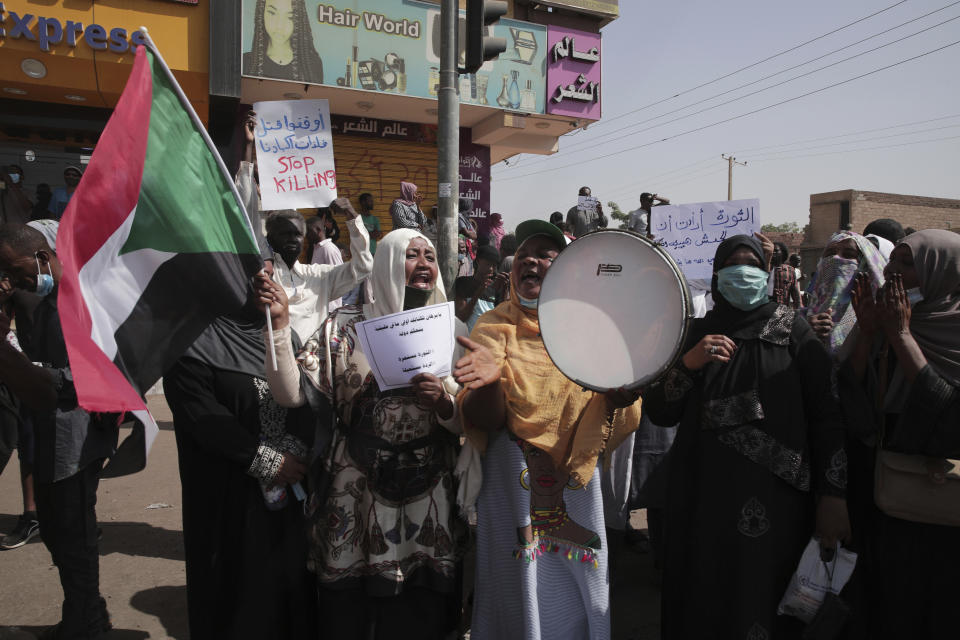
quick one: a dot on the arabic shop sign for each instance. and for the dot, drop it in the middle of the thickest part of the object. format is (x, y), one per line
(384, 129)
(387, 46)
(475, 179)
(573, 73)
(50, 31)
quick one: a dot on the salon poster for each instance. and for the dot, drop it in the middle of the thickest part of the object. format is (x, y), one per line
(388, 46)
(691, 232)
(295, 154)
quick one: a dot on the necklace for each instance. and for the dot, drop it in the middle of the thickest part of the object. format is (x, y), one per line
(545, 520)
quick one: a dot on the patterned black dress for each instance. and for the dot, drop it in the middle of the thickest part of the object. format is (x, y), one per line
(760, 438)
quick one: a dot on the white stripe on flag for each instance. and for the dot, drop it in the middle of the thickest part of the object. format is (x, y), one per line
(113, 284)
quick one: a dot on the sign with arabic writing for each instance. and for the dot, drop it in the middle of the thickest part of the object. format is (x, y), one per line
(295, 154)
(573, 73)
(401, 345)
(475, 180)
(691, 232)
(384, 129)
(387, 46)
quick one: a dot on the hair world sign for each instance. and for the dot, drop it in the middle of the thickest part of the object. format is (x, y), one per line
(372, 21)
(51, 31)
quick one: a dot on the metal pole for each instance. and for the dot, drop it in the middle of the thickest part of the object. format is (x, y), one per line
(448, 161)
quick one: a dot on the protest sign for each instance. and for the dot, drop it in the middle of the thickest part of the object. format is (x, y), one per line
(691, 232)
(295, 154)
(401, 345)
(587, 203)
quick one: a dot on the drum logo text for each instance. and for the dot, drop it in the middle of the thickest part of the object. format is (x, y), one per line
(609, 268)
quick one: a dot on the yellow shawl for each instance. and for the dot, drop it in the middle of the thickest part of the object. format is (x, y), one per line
(543, 406)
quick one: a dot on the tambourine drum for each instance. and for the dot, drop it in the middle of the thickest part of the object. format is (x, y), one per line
(614, 309)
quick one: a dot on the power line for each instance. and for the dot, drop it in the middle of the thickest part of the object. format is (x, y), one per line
(834, 144)
(845, 135)
(747, 113)
(593, 142)
(697, 173)
(666, 173)
(621, 135)
(888, 146)
(750, 66)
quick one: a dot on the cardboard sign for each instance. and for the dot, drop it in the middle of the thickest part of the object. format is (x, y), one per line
(295, 154)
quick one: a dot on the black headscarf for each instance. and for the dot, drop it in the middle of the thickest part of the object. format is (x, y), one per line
(724, 317)
(233, 343)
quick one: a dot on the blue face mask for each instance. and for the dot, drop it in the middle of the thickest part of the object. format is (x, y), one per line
(529, 304)
(44, 281)
(742, 285)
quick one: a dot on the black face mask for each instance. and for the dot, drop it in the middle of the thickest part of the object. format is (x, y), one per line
(414, 298)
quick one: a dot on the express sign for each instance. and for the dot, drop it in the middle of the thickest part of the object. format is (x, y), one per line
(50, 31)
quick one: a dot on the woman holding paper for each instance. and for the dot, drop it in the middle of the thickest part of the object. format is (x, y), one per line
(384, 537)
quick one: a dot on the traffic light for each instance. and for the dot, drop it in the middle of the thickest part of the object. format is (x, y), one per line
(480, 47)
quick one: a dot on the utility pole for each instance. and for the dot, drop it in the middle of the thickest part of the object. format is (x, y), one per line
(730, 162)
(448, 145)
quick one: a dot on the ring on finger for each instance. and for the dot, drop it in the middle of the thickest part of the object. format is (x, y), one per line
(713, 350)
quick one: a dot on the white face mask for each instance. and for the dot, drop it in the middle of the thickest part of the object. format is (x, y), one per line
(528, 303)
(914, 296)
(14, 177)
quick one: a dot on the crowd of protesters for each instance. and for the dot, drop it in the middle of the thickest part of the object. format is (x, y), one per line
(830, 412)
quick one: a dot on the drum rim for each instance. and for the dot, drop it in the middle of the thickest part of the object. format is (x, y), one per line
(687, 313)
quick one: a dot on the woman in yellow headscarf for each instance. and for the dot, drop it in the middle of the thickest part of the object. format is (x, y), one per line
(541, 548)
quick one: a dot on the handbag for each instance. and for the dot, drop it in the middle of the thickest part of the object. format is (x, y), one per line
(902, 487)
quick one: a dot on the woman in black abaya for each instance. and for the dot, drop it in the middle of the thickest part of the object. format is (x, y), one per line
(758, 464)
(246, 563)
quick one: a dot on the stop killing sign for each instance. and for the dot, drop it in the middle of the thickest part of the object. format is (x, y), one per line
(295, 154)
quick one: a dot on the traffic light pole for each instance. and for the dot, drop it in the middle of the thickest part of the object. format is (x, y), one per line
(448, 165)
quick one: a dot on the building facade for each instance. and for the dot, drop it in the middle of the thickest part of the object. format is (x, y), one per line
(377, 63)
(852, 209)
(64, 64)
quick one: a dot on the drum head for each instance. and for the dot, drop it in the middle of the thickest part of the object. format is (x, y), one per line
(613, 311)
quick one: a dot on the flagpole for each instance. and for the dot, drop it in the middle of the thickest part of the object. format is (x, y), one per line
(216, 154)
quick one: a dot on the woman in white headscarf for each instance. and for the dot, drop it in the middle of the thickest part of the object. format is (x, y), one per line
(384, 537)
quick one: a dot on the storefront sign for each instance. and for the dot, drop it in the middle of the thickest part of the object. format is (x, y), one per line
(389, 46)
(475, 179)
(295, 154)
(50, 31)
(573, 73)
(385, 129)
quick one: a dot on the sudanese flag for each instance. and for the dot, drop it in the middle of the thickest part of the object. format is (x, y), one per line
(154, 246)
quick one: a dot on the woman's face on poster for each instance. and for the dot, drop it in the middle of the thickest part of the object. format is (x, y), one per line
(278, 20)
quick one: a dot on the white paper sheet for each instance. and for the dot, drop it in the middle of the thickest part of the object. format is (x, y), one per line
(401, 345)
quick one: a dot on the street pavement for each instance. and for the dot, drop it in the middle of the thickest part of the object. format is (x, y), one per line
(142, 572)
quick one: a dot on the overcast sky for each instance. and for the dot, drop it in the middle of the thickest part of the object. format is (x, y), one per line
(660, 48)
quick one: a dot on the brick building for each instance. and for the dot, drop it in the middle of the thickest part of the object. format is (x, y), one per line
(853, 209)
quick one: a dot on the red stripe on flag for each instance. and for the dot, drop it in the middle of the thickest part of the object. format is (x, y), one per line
(111, 185)
(105, 198)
